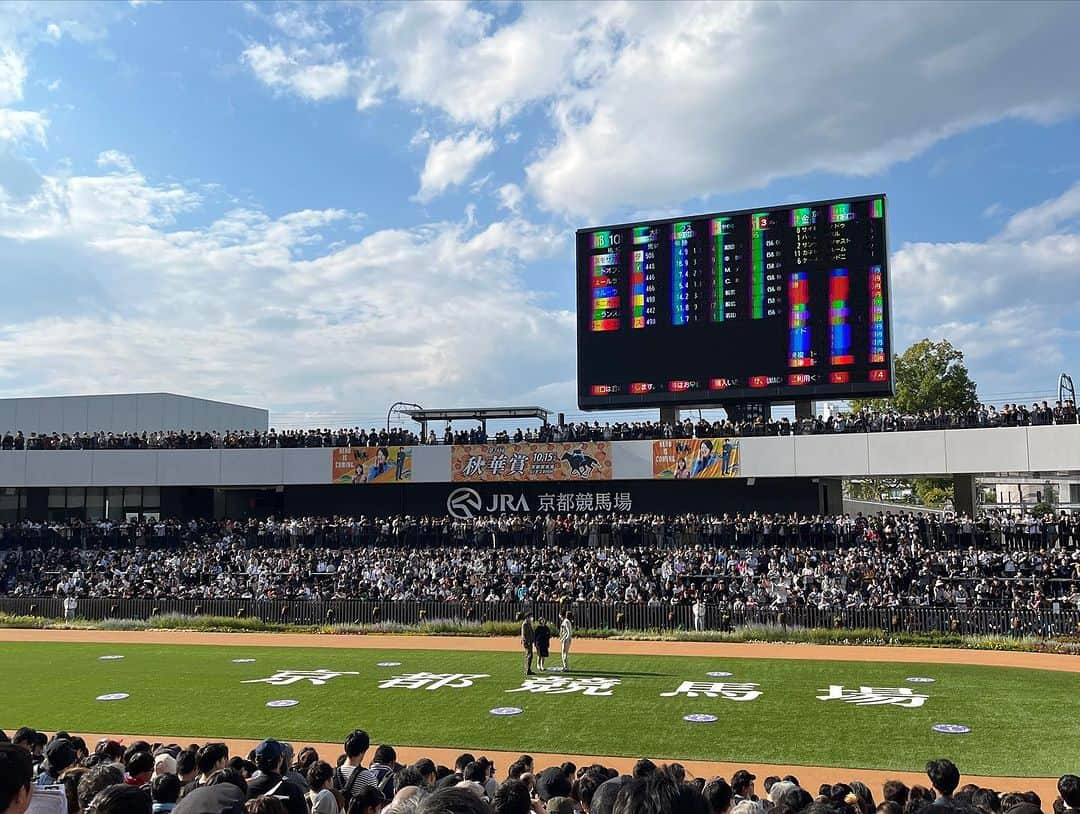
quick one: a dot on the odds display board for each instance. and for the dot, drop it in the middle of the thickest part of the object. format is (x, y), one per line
(777, 303)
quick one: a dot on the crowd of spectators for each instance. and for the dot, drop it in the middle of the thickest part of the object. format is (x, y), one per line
(273, 778)
(1010, 415)
(736, 563)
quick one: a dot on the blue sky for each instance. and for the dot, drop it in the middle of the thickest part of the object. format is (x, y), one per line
(323, 208)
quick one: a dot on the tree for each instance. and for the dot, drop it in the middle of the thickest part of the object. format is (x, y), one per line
(929, 375)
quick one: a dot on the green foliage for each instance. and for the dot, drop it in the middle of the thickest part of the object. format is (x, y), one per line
(934, 492)
(929, 375)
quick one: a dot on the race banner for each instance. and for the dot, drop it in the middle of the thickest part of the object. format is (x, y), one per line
(372, 464)
(475, 463)
(687, 458)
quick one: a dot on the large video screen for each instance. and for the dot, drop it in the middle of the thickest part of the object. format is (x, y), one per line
(775, 304)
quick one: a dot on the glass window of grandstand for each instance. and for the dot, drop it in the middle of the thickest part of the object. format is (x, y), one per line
(12, 505)
(115, 503)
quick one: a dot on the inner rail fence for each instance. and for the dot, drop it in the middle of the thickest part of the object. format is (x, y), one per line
(1055, 622)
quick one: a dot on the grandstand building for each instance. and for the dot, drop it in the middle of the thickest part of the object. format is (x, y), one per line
(801, 474)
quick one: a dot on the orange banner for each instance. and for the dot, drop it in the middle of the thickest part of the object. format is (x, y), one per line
(687, 458)
(372, 464)
(472, 463)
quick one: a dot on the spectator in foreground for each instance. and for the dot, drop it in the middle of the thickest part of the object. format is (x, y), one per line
(121, 799)
(1068, 787)
(322, 796)
(164, 792)
(16, 776)
(449, 801)
(944, 777)
(271, 761)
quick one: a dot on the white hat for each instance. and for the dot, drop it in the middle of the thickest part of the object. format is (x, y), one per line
(164, 764)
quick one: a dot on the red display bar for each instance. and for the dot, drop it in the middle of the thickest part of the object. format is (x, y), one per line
(641, 387)
(839, 377)
(605, 325)
(681, 386)
(603, 389)
(759, 381)
(879, 375)
(722, 384)
(797, 379)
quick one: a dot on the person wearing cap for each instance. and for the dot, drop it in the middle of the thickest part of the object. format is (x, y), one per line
(164, 763)
(59, 754)
(139, 769)
(270, 782)
(742, 786)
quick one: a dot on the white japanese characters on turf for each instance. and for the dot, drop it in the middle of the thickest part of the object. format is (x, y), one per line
(113, 696)
(284, 702)
(556, 685)
(716, 689)
(700, 718)
(431, 681)
(507, 711)
(283, 678)
(873, 696)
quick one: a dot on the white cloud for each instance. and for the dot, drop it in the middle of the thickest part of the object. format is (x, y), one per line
(229, 311)
(450, 161)
(1046, 218)
(316, 72)
(53, 31)
(299, 71)
(301, 22)
(17, 125)
(707, 98)
(452, 56)
(12, 76)
(510, 197)
(1008, 302)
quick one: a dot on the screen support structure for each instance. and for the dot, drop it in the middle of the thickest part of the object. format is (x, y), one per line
(804, 409)
(669, 415)
(747, 410)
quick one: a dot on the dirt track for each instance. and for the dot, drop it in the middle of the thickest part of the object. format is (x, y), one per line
(505, 644)
(809, 776)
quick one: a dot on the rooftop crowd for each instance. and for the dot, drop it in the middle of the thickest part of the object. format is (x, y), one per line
(1010, 415)
(274, 778)
(732, 562)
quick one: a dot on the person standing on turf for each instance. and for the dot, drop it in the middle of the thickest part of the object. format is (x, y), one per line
(528, 638)
(542, 634)
(566, 635)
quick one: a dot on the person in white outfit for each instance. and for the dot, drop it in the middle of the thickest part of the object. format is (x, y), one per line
(699, 614)
(566, 635)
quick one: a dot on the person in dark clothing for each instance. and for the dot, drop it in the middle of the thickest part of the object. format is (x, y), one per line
(528, 639)
(270, 760)
(542, 635)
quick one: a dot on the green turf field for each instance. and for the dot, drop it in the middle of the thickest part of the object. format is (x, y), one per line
(1019, 718)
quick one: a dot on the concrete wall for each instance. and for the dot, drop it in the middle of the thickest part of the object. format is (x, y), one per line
(134, 412)
(951, 452)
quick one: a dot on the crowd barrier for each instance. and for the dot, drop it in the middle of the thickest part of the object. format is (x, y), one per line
(617, 616)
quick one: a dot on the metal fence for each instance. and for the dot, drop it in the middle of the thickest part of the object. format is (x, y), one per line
(620, 616)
